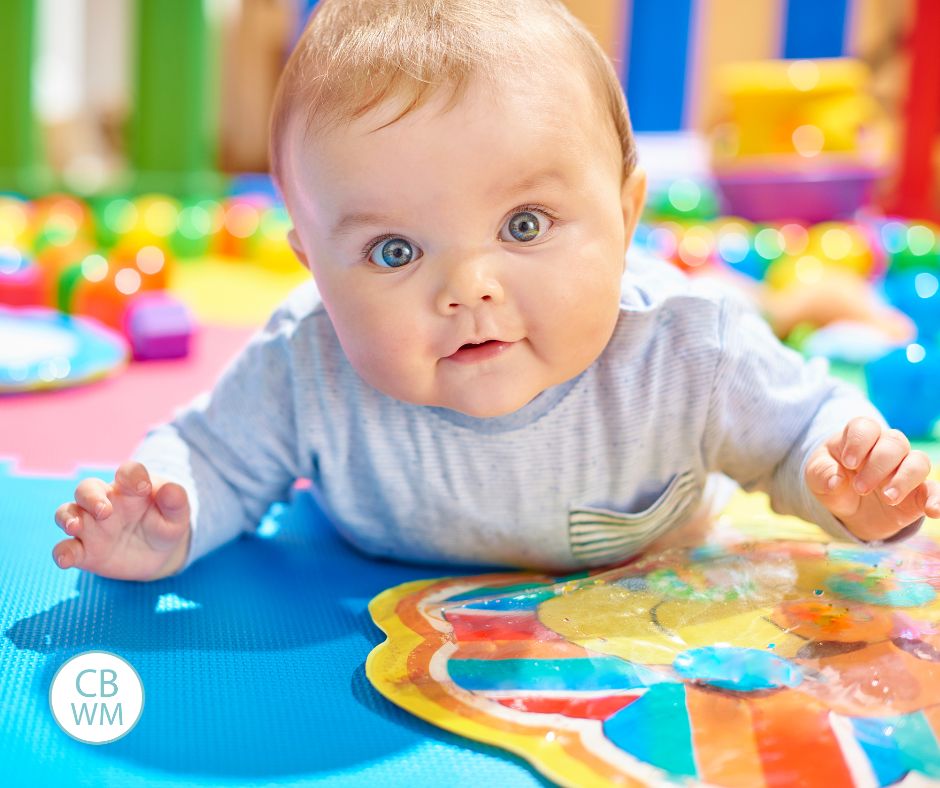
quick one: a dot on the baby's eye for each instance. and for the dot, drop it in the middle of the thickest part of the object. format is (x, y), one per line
(527, 224)
(392, 252)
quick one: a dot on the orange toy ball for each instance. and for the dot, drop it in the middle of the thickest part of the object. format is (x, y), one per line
(151, 263)
(105, 288)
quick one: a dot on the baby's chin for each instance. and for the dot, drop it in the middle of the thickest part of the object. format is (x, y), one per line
(490, 405)
(477, 399)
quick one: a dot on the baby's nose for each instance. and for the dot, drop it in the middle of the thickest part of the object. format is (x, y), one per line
(469, 283)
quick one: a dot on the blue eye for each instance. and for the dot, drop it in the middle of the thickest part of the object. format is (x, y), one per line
(392, 252)
(526, 223)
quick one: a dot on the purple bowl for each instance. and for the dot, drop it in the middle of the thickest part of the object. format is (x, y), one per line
(817, 196)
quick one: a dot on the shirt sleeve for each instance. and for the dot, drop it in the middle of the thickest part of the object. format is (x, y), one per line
(770, 410)
(234, 449)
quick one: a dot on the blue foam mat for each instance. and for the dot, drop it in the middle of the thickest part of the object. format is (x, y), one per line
(253, 663)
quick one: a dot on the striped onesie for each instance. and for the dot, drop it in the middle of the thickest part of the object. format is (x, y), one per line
(692, 383)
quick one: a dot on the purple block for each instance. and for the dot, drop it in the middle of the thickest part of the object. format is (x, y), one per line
(158, 326)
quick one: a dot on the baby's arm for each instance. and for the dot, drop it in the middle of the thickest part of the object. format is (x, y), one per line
(771, 415)
(208, 476)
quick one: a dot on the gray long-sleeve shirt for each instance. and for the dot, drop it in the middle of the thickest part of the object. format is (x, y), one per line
(586, 474)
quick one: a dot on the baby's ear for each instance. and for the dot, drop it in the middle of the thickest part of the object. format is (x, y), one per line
(294, 242)
(632, 199)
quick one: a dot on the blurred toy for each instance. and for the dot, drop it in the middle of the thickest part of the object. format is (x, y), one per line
(98, 258)
(910, 246)
(682, 199)
(797, 139)
(903, 385)
(152, 222)
(269, 247)
(917, 293)
(41, 349)
(241, 223)
(106, 292)
(196, 225)
(158, 326)
(15, 222)
(21, 282)
(916, 189)
(842, 340)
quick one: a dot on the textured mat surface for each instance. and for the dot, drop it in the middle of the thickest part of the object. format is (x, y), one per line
(252, 663)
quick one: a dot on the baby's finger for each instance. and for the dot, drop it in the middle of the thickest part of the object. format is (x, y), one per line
(823, 474)
(932, 508)
(908, 477)
(92, 496)
(131, 478)
(173, 503)
(884, 458)
(69, 553)
(858, 438)
(69, 518)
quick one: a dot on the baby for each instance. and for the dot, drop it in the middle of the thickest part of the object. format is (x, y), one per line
(478, 377)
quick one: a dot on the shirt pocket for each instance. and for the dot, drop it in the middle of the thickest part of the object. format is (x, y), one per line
(600, 536)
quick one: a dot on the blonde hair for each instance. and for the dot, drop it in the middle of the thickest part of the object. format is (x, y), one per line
(355, 53)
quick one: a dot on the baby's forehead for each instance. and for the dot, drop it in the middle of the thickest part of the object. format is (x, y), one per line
(492, 130)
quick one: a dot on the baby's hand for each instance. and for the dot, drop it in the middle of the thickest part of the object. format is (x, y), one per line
(133, 529)
(872, 481)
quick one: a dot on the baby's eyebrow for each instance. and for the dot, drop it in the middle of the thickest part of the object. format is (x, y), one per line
(531, 181)
(353, 221)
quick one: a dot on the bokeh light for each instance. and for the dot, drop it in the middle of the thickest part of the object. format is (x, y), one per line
(94, 268)
(894, 237)
(808, 140)
(803, 74)
(120, 216)
(769, 243)
(915, 353)
(127, 281)
(684, 195)
(150, 259)
(809, 270)
(836, 243)
(795, 238)
(926, 285)
(11, 260)
(920, 239)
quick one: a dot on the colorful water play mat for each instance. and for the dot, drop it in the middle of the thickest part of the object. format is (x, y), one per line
(785, 661)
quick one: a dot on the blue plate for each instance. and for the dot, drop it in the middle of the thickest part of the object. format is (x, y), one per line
(42, 349)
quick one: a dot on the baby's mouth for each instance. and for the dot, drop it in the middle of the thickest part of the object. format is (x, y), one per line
(478, 344)
(472, 352)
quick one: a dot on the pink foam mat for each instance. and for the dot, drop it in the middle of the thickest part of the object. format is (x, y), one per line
(98, 425)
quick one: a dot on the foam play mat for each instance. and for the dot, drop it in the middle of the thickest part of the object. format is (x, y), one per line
(252, 662)
(755, 663)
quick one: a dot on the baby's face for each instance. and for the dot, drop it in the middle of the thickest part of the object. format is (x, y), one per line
(502, 222)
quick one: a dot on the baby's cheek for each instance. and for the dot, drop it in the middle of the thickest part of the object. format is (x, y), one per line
(391, 357)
